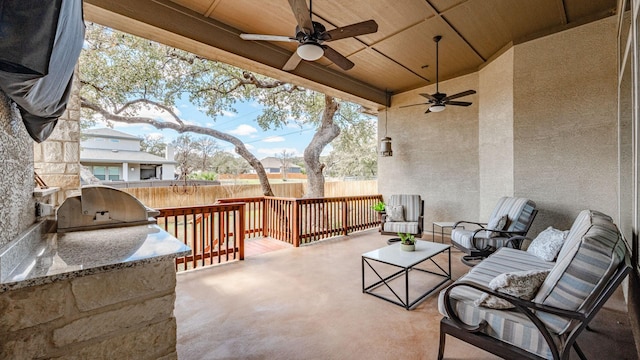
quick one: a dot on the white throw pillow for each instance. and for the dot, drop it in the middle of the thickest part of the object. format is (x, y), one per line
(498, 224)
(396, 213)
(521, 284)
(548, 243)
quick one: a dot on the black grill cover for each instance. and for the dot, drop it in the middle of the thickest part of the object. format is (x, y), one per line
(40, 42)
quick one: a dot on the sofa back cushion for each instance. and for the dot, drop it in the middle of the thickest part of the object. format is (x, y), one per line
(518, 210)
(593, 250)
(412, 205)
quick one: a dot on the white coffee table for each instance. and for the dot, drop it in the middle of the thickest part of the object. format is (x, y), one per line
(406, 261)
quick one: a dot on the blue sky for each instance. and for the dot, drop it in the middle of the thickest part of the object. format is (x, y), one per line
(241, 124)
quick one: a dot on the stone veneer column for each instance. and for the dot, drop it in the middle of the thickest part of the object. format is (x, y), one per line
(57, 159)
(17, 205)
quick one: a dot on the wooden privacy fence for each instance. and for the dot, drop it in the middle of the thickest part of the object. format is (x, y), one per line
(167, 196)
(215, 233)
(302, 221)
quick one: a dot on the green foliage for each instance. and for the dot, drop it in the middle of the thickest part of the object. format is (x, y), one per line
(407, 239)
(379, 206)
(154, 145)
(355, 150)
(208, 175)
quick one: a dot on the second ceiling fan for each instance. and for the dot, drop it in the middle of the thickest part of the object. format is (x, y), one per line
(311, 36)
(438, 101)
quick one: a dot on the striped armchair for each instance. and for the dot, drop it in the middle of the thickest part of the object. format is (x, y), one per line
(518, 215)
(592, 263)
(412, 207)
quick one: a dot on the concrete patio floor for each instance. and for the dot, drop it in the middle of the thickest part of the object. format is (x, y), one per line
(307, 303)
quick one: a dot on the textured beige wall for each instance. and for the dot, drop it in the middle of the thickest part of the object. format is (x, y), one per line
(542, 126)
(434, 155)
(17, 205)
(496, 132)
(565, 107)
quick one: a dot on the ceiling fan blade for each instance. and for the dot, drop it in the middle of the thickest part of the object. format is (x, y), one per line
(337, 58)
(459, 103)
(430, 97)
(267, 37)
(302, 14)
(404, 106)
(361, 28)
(458, 95)
(293, 62)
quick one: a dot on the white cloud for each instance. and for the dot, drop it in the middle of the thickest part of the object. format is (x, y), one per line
(273, 139)
(228, 113)
(243, 130)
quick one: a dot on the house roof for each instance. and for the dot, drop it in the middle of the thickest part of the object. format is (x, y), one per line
(399, 57)
(274, 162)
(120, 156)
(109, 133)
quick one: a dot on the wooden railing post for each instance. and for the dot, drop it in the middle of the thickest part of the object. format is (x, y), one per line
(241, 233)
(296, 223)
(345, 217)
(265, 218)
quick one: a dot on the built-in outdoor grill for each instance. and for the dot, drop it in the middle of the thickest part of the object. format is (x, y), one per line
(100, 207)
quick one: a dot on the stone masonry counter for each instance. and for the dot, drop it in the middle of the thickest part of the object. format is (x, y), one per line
(99, 294)
(69, 255)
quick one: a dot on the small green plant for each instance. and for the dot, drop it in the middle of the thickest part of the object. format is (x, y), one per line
(407, 239)
(379, 206)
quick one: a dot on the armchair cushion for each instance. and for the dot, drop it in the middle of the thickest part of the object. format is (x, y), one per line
(396, 213)
(404, 215)
(593, 250)
(548, 243)
(521, 284)
(498, 223)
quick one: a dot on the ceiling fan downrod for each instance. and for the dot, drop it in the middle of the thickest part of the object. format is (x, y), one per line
(437, 39)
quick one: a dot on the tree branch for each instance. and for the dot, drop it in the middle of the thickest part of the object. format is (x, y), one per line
(181, 127)
(152, 103)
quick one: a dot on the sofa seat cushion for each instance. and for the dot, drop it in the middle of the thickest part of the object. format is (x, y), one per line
(509, 326)
(410, 227)
(463, 237)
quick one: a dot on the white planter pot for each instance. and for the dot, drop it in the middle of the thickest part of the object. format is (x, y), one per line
(411, 247)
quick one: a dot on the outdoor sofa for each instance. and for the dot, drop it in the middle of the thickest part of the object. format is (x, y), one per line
(545, 321)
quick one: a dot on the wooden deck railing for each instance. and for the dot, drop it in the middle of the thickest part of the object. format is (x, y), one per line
(215, 233)
(302, 221)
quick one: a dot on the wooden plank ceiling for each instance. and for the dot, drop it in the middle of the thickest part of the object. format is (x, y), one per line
(397, 58)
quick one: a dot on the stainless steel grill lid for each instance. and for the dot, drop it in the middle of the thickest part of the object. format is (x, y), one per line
(100, 207)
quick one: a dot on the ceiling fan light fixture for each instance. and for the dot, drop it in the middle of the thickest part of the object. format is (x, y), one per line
(436, 107)
(310, 51)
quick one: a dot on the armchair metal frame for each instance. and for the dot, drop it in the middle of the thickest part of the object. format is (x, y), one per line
(473, 334)
(476, 253)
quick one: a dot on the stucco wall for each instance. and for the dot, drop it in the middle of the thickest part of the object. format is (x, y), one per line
(496, 132)
(17, 205)
(542, 126)
(434, 155)
(565, 121)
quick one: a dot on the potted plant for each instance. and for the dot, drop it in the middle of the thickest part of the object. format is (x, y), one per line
(379, 207)
(407, 242)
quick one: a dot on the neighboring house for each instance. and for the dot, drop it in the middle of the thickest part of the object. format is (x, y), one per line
(112, 155)
(273, 165)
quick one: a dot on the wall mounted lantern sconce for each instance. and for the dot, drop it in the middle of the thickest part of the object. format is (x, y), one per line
(385, 146)
(385, 143)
